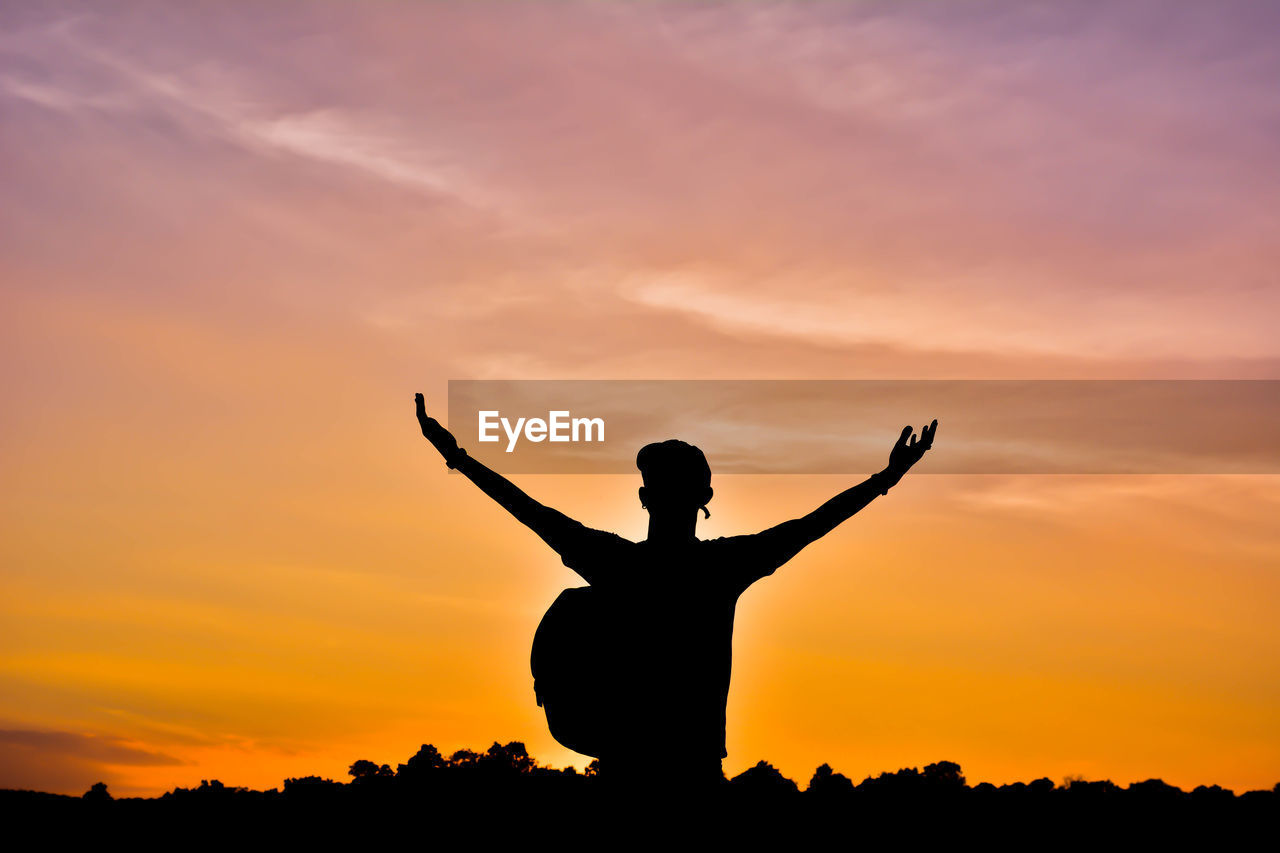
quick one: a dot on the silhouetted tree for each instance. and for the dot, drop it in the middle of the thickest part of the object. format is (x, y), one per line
(1155, 791)
(1213, 794)
(1082, 791)
(903, 781)
(1043, 785)
(511, 758)
(826, 782)
(764, 778)
(426, 760)
(944, 774)
(97, 793)
(366, 772)
(464, 758)
(311, 787)
(362, 769)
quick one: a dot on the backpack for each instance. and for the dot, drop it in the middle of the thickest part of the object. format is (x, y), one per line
(573, 670)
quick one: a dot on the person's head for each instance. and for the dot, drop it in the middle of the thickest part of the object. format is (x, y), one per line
(677, 478)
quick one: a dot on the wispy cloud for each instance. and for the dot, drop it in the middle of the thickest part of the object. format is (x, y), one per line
(100, 749)
(70, 762)
(227, 105)
(1000, 183)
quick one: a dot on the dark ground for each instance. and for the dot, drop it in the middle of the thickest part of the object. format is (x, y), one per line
(501, 797)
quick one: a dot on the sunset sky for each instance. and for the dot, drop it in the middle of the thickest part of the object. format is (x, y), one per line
(237, 237)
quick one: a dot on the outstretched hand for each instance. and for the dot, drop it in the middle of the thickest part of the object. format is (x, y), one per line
(908, 450)
(439, 437)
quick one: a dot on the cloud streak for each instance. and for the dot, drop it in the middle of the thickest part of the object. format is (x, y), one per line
(97, 749)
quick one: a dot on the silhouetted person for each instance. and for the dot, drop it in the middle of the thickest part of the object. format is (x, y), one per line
(671, 597)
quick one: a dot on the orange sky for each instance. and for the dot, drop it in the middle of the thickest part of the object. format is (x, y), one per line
(237, 239)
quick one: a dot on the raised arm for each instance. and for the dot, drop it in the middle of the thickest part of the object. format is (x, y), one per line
(784, 541)
(554, 527)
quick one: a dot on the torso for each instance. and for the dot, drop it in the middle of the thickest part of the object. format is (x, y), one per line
(675, 611)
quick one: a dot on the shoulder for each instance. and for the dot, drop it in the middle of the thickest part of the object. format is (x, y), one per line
(730, 543)
(574, 533)
(589, 537)
(585, 545)
(741, 560)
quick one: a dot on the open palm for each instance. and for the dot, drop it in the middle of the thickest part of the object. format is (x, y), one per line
(908, 449)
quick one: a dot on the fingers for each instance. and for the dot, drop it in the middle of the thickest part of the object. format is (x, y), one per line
(911, 447)
(929, 432)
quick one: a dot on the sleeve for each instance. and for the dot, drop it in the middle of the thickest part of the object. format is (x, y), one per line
(593, 554)
(746, 559)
